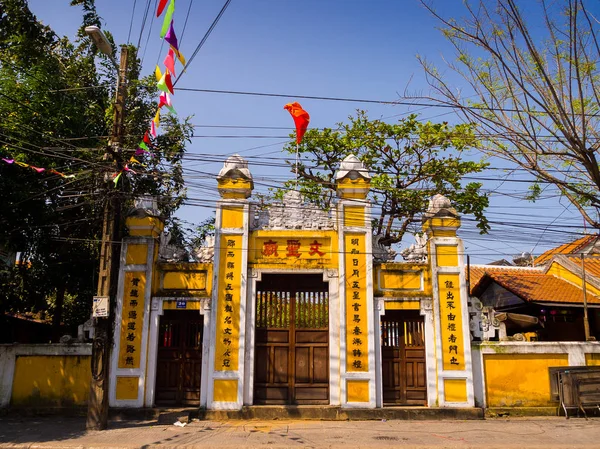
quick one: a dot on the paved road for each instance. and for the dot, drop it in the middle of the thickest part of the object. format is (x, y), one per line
(55, 432)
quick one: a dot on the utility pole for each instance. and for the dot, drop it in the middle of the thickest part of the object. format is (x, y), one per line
(586, 323)
(97, 417)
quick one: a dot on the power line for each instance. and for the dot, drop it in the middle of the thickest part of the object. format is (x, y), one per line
(206, 35)
(131, 22)
(361, 100)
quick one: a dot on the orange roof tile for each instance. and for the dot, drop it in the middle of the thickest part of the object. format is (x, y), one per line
(477, 272)
(592, 264)
(567, 248)
(539, 288)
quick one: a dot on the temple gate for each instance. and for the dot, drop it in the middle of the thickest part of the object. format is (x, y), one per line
(292, 305)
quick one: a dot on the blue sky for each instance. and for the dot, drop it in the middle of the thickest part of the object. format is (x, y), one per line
(334, 48)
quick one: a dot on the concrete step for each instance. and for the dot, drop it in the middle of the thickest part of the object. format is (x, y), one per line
(330, 413)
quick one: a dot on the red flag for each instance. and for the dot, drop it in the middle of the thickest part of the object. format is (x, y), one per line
(161, 7)
(168, 82)
(147, 138)
(301, 119)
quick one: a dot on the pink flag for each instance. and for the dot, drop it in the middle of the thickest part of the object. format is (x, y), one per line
(169, 61)
(8, 161)
(153, 128)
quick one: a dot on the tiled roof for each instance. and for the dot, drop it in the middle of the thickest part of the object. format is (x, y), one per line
(592, 264)
(538, 288)
(477, 272)
(567, 248)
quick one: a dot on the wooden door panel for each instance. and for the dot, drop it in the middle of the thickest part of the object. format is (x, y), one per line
(280, 364)
(179, 361)
(292, 336)
(302, 365)
(321, 365)
(403, 358)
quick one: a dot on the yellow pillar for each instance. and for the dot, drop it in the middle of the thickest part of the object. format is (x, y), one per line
(226, 360)
(139, 255)
(357, 339)
(450, 296)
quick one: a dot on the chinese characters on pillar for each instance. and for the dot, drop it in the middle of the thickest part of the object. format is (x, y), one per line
(132, 319)
(228, 312)
(451, 322)
(357, 328)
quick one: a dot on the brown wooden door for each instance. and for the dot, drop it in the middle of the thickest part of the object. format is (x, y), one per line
(292, 340)
(179, 363)
(403, 358)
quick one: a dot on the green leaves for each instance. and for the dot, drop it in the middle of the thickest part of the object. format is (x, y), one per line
(410, 161)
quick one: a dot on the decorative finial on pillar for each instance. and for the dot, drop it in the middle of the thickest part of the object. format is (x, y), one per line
(352, 179)
(441, 219)
(234, 179)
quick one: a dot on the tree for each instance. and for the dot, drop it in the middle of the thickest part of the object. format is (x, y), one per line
(56, 105)
(533, 88)
(409, 161)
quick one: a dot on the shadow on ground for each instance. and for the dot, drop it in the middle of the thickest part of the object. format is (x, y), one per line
(41, 429)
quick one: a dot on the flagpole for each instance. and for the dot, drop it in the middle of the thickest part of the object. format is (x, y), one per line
(297, 165)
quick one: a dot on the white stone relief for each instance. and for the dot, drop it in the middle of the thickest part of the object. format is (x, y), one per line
(171, 253)
(205, 253)
(417, 252)
(291, 213)
(382, 253)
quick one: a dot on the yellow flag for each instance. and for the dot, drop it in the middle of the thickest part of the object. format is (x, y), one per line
(157, 73)
(157, 118)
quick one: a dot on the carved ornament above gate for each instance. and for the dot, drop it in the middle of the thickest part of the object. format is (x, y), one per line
(291, 213)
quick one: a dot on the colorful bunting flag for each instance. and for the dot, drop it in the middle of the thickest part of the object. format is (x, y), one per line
(169, 61)
(37, 169)
(162, 83)
(157, 74)
(157, 119)
(171, 38)
(147, 138)
(153, 128)
(168, 82)
(179, 56)
(167, 20)
(161, 7)
(117, 177)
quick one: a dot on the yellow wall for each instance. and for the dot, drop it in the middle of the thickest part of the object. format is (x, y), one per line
(402, 305)
(225, 390)
(592, 359)
(562, 272)
(137, 254)
(127, 388)
(357, 390)
(184, 280)
(51, 381)
(394, 280)
(447, 255)
(520, 380)
(455, 390)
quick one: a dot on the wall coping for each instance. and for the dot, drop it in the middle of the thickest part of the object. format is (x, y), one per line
(47, 348)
